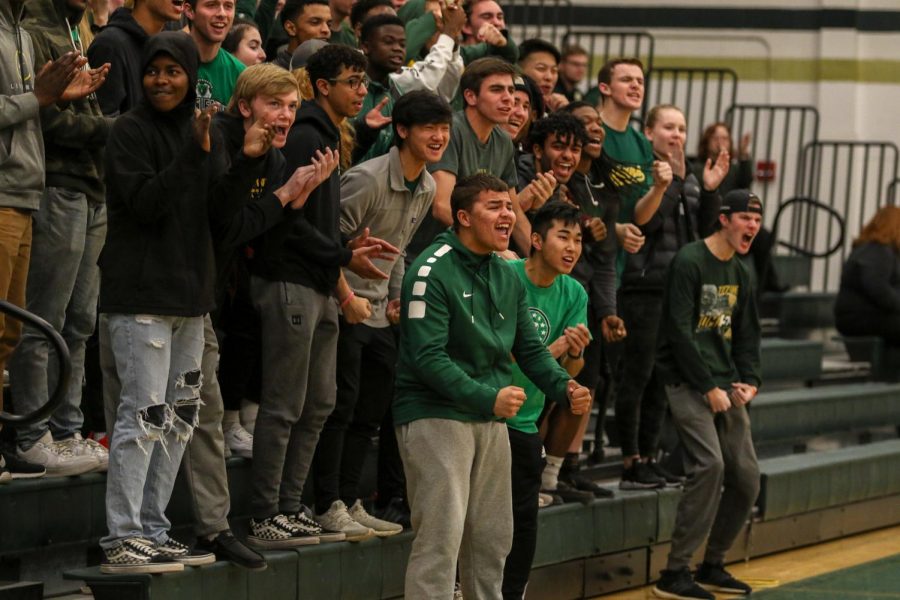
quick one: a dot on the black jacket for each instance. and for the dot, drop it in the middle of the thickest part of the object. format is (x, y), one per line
(158, 257)
(121, 44)
(307, 247)
(686, 213)
(870, 284)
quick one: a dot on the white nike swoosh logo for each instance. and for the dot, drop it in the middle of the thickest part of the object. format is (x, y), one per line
(467, 295)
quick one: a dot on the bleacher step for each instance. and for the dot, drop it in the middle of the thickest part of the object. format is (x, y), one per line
(791, 360)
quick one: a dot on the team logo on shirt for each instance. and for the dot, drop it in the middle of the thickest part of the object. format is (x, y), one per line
(716, 308)
(541, 323)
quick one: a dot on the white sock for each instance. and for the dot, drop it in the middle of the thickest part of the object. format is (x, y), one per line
(550, 476)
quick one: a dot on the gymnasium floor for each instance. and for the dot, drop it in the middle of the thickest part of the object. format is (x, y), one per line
(861, 567)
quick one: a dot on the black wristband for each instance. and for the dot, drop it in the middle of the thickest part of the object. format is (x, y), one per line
(575, 356)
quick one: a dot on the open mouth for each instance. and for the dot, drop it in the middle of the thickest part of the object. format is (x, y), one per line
(502, 229)
(569, 261)
(435, 147)
(747, 238)
(564, 168)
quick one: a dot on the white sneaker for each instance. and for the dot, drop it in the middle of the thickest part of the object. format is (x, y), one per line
(338, 519)
(249, 410)
(380, 527)
(88, 447)
(239, 441)
(59, 459)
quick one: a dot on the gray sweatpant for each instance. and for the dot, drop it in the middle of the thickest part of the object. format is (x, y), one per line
(458, 483)
(723, 476)
(299, 353)
(203, 463)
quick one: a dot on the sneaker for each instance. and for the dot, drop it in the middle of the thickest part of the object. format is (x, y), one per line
(545, 500)
(305, 520)
(192, 557)
(87, 447)
(570, 494)
(58, 459)
(671, 479)
(21, 469)
(457, 592)
(640, 477)
(337, 518)
(715, 578)
(395, 511)
(680, 586)
(580, 482)
(5, 475)
(380, 527)
(239, 441)
(277, 532)
(137, 555)
(227, 547)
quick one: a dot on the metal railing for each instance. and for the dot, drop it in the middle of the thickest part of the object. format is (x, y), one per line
(850, 177)
(891, 193)
(702, 94)
(603, 45)
(65, 366)
(550, 20)
(779, 134)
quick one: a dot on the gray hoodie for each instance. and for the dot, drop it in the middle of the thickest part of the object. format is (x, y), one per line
(21, 144)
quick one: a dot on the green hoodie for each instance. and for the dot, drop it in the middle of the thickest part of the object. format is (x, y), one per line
(462, 315)
(74, 137)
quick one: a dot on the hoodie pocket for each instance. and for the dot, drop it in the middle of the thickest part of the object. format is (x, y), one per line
(21, 160)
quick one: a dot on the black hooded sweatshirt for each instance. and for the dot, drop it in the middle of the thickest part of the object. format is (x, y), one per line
(158, 257)
(121, 44)
(307, 247)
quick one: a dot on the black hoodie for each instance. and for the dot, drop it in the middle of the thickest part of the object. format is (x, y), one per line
(307, 247)
(158, 257)
(120, 44)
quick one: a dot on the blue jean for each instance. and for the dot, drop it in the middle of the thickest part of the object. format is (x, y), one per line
(63, 283)
(158, 365)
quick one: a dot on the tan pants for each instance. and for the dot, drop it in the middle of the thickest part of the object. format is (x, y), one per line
(15, 252)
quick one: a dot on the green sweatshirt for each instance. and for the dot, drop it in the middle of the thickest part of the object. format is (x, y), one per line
(710, 330)
(462, 315)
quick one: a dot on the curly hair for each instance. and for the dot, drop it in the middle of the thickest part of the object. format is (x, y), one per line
(564, 125)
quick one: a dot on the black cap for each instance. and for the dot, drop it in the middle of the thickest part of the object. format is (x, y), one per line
(737, 201)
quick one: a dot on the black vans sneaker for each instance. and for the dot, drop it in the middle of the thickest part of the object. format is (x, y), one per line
(680, 586)
(640, 477)
(137, 555)
(671, 479)
(192, 557)
(716, 579)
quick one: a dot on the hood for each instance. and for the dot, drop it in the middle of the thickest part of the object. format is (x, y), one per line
(310, 113)
(51, 13)
(232, 128)
(182, 48)
(11, 13)
(122, 19)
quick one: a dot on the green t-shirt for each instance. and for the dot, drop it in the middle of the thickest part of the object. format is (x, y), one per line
(709, 333)
(216, 79)
(344, 35)
(562, 304)
(466, 155)
(630, 160)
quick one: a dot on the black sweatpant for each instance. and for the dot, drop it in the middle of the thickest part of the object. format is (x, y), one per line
(527, 451)
(365, 373)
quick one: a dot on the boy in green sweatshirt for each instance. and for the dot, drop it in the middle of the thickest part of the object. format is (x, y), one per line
(463, 311)
(709, 360)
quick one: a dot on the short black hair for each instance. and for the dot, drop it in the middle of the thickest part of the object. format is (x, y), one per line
(565, 125)
(469, 188)
(542, 220)
(361, 9)
(420, 107)
(328, 61)
(371, 25)
(573, 106)
(294, 8)
(537, 45)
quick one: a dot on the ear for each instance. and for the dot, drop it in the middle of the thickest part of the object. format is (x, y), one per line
(244, 108)
(538, 152)
(536, 241)
(463, 217)
(470, 96)
(189, 11)
(290, 28)
(402, 131)
(604, 89)
(322, 86)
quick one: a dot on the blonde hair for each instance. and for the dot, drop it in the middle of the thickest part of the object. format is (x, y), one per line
(266, 79)
(348, 134)
(884, 228)
(653, 115)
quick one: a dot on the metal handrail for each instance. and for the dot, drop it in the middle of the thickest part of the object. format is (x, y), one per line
(65, 366)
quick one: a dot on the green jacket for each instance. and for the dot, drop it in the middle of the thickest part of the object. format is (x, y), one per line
(462, 315)
(74, 137)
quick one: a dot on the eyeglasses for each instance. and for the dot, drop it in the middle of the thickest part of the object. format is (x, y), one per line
(352, 82)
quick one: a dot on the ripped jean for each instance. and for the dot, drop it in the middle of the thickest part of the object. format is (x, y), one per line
(158, 364)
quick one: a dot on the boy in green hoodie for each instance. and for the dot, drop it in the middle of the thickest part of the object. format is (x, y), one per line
(463, 311)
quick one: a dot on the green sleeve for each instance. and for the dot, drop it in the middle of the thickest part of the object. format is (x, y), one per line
(745, 338)
(411, 9)
(424, 325)
(534, 359)
(679, 320)
(418, 32)
(245, 8)
(265, 18)
(509, 52)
